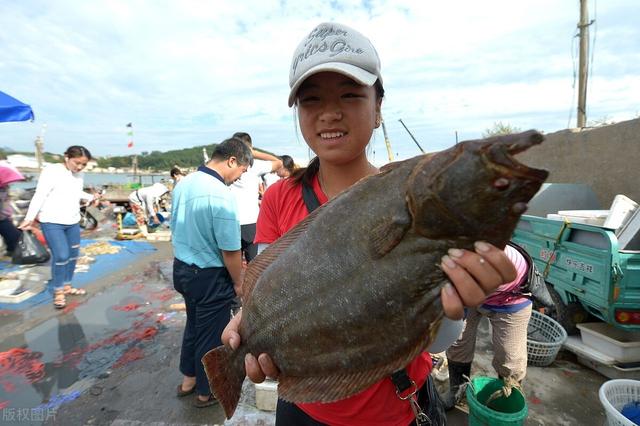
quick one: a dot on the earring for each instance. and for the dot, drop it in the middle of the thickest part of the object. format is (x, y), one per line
(377, 122)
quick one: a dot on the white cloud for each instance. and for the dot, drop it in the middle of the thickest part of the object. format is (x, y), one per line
(193, 72)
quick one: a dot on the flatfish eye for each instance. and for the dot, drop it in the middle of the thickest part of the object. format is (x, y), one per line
(519, 208)
(501, 183)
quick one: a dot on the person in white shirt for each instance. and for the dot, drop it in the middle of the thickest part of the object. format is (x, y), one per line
(246, 189)
(56, 202)
(143, 202)
(287, 169)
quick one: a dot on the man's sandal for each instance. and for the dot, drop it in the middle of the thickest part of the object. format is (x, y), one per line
(73, 291)
(59, 300)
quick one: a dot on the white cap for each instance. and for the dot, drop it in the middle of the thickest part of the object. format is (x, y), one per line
(337, 48)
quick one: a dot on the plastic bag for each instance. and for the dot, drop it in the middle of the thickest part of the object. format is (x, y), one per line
(29, 250)
(129, 219)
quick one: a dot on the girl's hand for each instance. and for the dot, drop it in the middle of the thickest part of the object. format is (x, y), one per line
(26, 225)
(473, 275)
(257, 369)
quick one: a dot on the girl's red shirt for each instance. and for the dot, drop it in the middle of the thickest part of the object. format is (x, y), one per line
(281, 209)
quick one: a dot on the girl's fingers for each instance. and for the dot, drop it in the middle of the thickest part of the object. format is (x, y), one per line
(477, 274)
(252, 367)
(230, 335)
(498, 260)
(267, 366)
(470, 292)
(451, 303)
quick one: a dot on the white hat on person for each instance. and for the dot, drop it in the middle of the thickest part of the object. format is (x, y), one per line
(337, 48)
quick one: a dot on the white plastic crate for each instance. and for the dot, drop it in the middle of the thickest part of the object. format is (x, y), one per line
(622, 345)
(614, 395)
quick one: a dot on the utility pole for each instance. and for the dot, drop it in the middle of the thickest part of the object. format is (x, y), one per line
(583, 67)
(386, 140)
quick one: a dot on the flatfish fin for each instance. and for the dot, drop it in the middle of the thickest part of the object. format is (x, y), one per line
(394, 165)
(388, 234)
(340, 386)
(225, 372)
(390, 166)
(270, 254)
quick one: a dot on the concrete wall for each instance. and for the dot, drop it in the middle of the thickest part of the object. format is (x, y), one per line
(606, 158)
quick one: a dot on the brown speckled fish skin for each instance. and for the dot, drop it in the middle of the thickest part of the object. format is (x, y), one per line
(351, 294)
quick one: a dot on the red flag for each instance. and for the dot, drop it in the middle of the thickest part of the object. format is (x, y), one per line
(130, 144)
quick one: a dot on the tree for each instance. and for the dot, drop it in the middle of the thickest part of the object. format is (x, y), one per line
(499, 129)
(600, 122)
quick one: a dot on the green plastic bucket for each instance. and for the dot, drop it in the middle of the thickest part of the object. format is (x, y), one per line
(509, 411)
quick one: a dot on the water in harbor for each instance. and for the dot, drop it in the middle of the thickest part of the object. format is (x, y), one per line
(100, 179)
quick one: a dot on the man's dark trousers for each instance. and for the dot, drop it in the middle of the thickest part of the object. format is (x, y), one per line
(208, 294)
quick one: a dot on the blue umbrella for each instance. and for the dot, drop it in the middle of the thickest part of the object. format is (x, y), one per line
(13, 110)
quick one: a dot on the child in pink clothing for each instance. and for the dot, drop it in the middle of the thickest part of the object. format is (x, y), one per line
(508, 313)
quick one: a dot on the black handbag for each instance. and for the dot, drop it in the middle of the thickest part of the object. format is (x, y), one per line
(29, 250)
(534, 285)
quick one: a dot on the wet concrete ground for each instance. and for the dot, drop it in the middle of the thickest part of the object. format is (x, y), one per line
(111, 358)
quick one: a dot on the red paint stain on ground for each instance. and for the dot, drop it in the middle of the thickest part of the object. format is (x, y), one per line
(163, 295)
(128, 278)
(138, 287)
(4, 404)
(567, 373)
(130, 355)
(22, 363)
(71, 306)
(535, 400)
(127, 308)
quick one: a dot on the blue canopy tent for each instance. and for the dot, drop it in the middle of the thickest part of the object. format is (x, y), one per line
(12, 109)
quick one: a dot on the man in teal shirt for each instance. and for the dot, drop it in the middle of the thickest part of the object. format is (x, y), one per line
(207, 262)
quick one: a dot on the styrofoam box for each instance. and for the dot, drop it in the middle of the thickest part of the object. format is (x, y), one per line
(611, 371)
(622, 345)
(587, 217)
(267, 395)
(621, 210)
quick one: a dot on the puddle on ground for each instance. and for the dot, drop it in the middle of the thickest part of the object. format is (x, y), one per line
(57, 360)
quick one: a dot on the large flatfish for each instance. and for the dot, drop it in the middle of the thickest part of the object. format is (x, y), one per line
(352, 293)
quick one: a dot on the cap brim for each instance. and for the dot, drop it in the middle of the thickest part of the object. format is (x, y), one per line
(358, 74)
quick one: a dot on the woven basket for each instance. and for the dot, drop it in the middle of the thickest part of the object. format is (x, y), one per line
(615, 394)
(545, 337)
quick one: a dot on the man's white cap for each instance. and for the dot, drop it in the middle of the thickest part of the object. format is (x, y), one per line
(337, 48)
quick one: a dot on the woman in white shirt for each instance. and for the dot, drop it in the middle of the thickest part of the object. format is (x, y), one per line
(57, 205)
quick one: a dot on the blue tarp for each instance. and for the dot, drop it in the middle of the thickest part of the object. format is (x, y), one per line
(12, 109)
(105, 264)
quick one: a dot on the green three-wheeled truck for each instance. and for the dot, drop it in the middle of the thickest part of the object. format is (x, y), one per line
(586, 272)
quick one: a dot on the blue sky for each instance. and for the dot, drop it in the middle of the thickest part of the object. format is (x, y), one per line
(189, 73)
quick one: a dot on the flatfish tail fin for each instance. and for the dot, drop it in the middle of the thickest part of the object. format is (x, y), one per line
(225, 371)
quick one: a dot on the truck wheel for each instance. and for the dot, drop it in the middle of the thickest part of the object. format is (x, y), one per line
(567, 315)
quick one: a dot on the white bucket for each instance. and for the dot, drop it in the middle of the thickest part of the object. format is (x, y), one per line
(621, 209)
(267, 395)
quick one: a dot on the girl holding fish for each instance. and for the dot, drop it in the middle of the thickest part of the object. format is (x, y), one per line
(337, 90)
